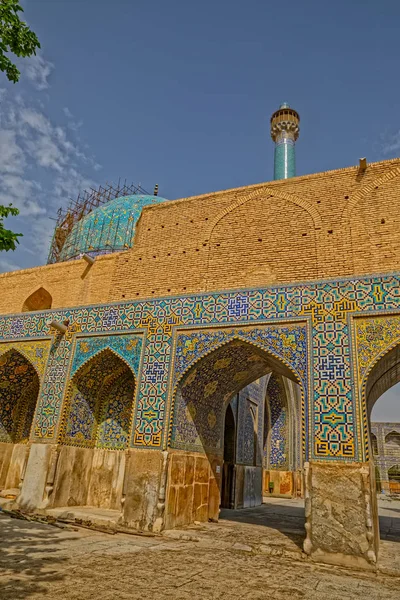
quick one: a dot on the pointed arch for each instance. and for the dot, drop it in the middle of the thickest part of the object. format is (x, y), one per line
(19, 389)
(224, 230)
(382, 374)
(39, 300)
(99, 403)
(393, 438)
(17, 348)
(288, 370)
(217, 374)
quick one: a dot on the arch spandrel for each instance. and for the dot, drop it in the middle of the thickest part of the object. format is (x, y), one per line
(377, 365)
(287, 343)
(127, 347)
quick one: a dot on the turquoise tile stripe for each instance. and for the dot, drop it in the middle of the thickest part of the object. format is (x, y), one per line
(285, 159)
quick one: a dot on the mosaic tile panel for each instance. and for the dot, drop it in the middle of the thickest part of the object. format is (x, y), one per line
(325, 305)
(19, 387)
(117, 412)
(288, 343)
(277, 448)
(249, 432)
(36, 352)
(100, 404)
(127, 347)
(375, 337)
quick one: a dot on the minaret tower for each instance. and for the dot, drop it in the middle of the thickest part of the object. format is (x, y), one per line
(284, 132)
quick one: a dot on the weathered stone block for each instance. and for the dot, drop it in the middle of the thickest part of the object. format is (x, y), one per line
(339, 521)
(142, 484)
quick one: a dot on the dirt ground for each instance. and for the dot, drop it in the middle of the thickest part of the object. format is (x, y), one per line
(249, 554)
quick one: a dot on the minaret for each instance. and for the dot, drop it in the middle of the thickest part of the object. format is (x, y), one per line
(284, 132)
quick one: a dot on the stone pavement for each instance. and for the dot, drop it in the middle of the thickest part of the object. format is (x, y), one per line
(250, 554)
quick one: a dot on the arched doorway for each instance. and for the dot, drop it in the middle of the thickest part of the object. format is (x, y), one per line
(19, 388)
(200, 424)
(228, 470)
(96, 428)
(382, 393)
(283, 460)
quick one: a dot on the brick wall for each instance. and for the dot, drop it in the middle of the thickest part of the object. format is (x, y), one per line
(69, 284)
(317, 226)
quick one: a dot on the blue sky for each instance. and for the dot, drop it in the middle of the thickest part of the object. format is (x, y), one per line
(180, 93)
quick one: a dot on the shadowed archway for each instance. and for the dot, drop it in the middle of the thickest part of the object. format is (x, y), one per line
(198, 421)
(19, 388)
(96, 428)
(384, 442)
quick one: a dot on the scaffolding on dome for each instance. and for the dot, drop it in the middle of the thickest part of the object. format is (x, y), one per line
(82, 206)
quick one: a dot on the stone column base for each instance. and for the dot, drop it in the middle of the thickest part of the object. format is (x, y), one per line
(34, 489)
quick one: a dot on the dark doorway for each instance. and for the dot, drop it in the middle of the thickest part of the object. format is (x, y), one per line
(228, 474)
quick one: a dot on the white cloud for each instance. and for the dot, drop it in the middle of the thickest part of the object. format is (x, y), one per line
(36, 120)
(67, 112)
(12, 158)
(42, 166)
(42, 233)
(72, 123)
(46, 153)
(38, 70)
(22, 193)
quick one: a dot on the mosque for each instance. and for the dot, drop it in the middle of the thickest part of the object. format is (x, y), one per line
(176, 356)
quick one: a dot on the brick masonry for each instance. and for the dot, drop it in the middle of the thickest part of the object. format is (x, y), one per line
(331, 224)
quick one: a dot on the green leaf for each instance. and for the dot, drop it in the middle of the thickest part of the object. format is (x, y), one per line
(8, 239)
(15, 38)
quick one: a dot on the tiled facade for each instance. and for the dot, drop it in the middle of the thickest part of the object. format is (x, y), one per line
(284, 323)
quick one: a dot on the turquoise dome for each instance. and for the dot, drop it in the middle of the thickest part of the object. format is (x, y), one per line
(108, 228)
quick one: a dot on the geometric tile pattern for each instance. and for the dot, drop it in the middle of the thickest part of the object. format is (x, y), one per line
(278, 439)
(250, 422)
(326, 306)
(127, 347)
